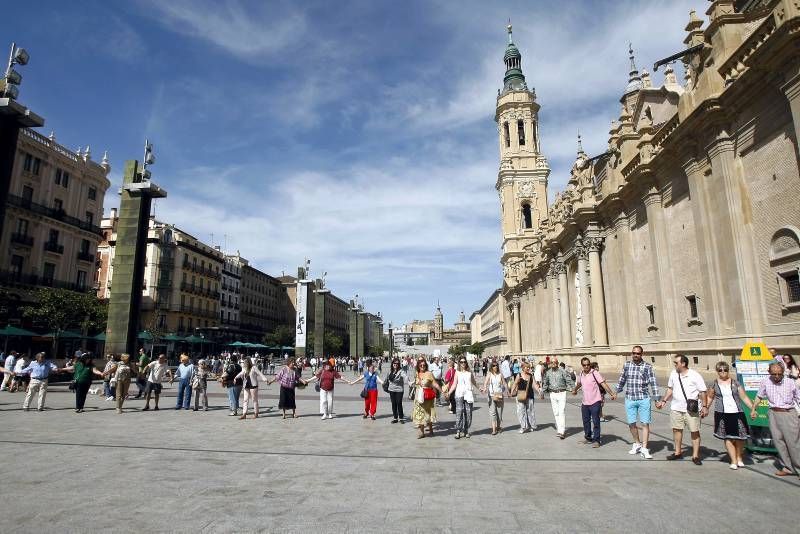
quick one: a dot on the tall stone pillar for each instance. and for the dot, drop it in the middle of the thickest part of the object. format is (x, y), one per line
(125, 301)
(583, 279)
(319, 322)
(566, 323)
(353, 310)
(556, 327)
(361, 324)
(517, 325)
(599, 326)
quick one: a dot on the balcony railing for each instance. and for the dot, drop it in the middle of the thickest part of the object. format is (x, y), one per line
(52, 246)
(53, 213)
(32, 280)
(85, 256)
(22, 239)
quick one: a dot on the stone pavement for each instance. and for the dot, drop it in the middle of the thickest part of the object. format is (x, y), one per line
(176, 471)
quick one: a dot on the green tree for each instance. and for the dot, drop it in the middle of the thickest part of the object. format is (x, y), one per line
(61, 309)
(283, 335)
(477, 349)
(333, 343)
(458, 350)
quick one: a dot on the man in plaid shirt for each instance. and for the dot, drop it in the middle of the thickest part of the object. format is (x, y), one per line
(638, 381)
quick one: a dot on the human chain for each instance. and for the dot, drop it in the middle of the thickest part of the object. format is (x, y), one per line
(453, 384)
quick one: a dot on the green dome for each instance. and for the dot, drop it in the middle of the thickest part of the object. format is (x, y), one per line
(511, 51)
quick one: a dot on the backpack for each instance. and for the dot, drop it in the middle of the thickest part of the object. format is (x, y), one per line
(123, 373)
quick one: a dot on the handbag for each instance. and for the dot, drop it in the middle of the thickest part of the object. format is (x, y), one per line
(364, 393)
(692, 405)
(386, 383)
(428, 394)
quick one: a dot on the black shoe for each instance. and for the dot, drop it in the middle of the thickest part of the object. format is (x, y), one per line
(697, 461)
(394, 421)
(146, 408)
(364, 416)
(372, 417)
(155, 409)
(402, 421)
(675, 456)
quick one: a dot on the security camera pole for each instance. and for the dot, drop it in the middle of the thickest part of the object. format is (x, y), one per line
(13, 117)
(125, 302)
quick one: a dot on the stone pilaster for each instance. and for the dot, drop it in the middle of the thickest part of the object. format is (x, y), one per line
(515, 304)
(566, 323)
(556, 323)
(582, 253)
(599, 327)
(660, 256)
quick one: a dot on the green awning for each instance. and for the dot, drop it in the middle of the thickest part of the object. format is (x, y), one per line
(64, 334)
(100, 337)
(145, 336)
(237, 344)
(172, 337)
(196, 339)
(14, 331)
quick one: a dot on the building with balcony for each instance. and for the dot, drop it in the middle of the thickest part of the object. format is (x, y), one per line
(230, 305)
(50, 236)
(182, 277)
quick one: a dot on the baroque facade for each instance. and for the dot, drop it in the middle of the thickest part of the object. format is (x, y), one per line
(55, 203)
(684, 236)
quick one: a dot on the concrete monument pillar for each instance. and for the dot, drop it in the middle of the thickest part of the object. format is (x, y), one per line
(517, 325)
(556, 328)
(320, 298)
(582, 253)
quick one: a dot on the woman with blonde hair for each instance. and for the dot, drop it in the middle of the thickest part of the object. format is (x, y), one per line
(730, 422)
(184, 373)
(122, 376)
(524, 388)
(496, 387)
(249, 377)
(424, 413)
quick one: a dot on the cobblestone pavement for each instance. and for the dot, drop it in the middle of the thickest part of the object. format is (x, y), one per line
(201, 471)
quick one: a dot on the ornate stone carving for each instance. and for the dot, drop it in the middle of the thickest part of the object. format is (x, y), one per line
(581, 250)
(593, 244)
(526, 190)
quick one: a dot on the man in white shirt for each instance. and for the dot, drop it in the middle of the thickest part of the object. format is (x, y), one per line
(436, 371)
(687, 389)
(11, 360)
(505, 370)
(155, 372)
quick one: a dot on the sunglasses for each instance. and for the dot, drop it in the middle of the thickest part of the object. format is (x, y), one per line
(722, 370)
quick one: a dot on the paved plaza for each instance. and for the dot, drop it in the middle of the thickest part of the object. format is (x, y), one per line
(200, 471)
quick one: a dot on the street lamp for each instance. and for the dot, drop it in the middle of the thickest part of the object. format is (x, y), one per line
(12, 78)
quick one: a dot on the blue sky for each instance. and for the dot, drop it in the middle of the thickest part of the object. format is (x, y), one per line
(359, 134)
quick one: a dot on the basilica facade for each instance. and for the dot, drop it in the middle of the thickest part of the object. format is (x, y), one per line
(684, 235)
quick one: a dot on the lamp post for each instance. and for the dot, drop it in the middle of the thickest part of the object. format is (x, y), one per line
(13, 117)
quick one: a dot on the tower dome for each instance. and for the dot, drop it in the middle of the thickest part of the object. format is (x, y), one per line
(514, 80)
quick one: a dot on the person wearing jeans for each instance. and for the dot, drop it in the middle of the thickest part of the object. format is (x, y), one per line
(590, 382)
(184, 373)
(556, 382)
(233, 385)
(396, 385)
(463, 382)
(371, 379)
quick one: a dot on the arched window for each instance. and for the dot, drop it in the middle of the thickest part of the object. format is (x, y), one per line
(521, 132)
(784, 256)
(506, 135)
(527, 219)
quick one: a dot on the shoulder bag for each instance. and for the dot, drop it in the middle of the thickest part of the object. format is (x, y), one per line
(692, 405)
(522, 396)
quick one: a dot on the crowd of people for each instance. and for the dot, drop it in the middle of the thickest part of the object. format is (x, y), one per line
(453, 384)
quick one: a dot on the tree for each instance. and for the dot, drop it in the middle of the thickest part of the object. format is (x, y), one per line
(333, 343)
(62, 309)
(283, 335)
(477, 349)
(458, 350)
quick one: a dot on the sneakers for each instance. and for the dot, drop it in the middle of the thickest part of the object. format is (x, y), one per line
(324, 416)
(521, 430)
(596, 444)
(740, 464)
(637, 447)
(646, 454)
(458, 435)
(734, 467)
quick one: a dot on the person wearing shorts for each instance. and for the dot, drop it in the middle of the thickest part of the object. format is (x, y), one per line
(155, 372)
(638, 381)
(685, 385)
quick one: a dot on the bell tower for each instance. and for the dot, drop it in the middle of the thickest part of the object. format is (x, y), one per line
(522, 178)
